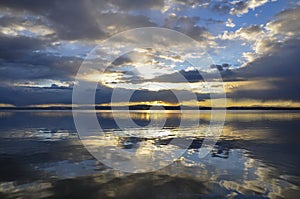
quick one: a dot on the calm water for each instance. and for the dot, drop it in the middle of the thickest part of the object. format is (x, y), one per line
(257, 156)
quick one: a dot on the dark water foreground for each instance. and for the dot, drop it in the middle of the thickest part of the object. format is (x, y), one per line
(257, 156)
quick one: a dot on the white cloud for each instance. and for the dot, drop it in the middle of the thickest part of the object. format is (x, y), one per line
(229, 23)
(286, 24)
(267, 39)
(197, 87)
(251, 33)
(243, 7)
(249, 56)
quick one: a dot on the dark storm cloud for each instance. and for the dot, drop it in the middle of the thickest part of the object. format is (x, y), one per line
(21, 59)
(72, 19)
(192, 2)
(278, 64)
(8, 20)
(137, 4)
(181, 76)
(14, 48)
(220, 67)
(187, 25)
(24, 58)
(281, 90)
(23, 96)
(75, 19)
(281, 70)
(43, 67)
(122, 60)
(121, 21)
(282, 63)
(27, 59)
(166, 96)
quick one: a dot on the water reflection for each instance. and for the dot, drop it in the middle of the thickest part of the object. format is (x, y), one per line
(256, 155)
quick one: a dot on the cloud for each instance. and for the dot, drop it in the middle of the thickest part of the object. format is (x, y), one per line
(26, 96)
(137, 4)
(21, 96)
(222, 7)
(242, 7)
(278, 33)
(70, 19)
(17, 25)
(113, 23)
(88, 20)
(180, 5)
(229, 23)
(22, 60)
(188, 26)
(19, 46)
(282, 90)
(239, 7)
(213, 21)
(32, 37)
(180, 76)
(266, 39)
(43, 44)
(282, 63)
(274, 60)
(280, 70)
(286, 24)
(220, 67)
(255, 36)
(250, 33)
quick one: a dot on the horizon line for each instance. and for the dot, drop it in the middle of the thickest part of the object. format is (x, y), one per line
(147, 107)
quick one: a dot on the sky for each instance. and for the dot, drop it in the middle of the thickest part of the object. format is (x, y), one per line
(254, 45)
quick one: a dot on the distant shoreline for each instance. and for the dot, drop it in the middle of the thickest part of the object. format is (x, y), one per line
(148, 107)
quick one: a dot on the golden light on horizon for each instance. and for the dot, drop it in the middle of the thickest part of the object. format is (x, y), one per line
(192, 103)
(150, 103)
(252, 103)
(208, 103)
(7, 105)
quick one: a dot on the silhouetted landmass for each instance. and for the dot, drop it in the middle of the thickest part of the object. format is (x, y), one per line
(148, 107)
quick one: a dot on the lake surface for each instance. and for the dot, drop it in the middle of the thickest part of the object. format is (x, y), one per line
(256, 156)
